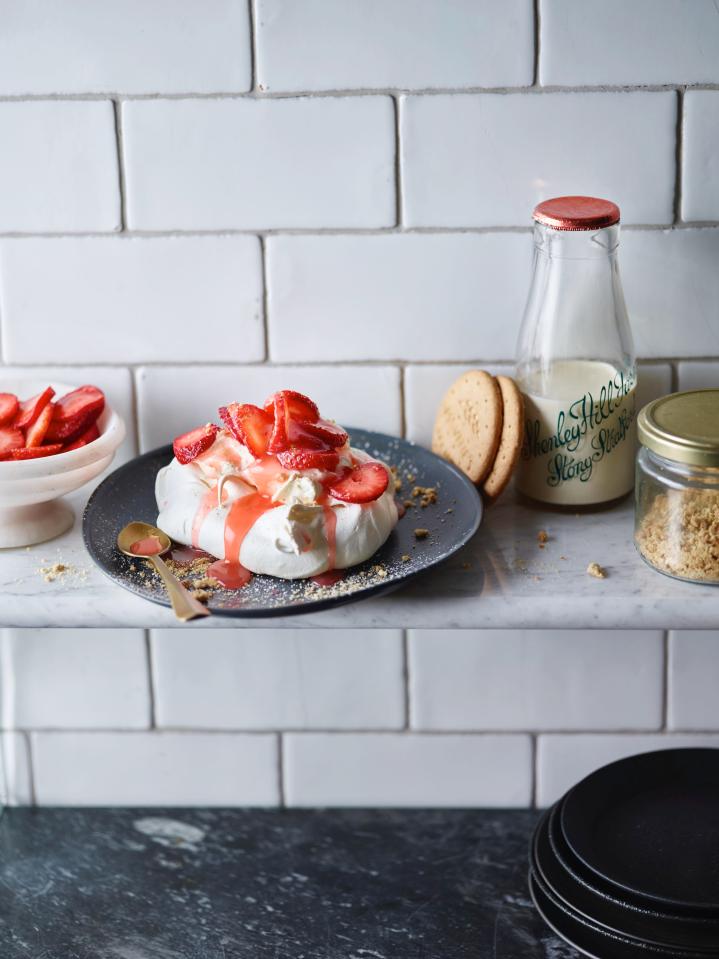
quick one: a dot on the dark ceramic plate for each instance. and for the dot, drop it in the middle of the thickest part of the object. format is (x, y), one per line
(586, 896)
(129, 494)
(592, 940)
(649, 827)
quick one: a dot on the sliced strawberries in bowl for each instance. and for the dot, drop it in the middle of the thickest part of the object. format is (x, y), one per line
(36, 433)
(9, 405)
(30, 409)
(74, 413)
(38, 427)
(364, 483)
(10, 439)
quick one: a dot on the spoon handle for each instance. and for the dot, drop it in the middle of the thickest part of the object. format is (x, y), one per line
(184, 604)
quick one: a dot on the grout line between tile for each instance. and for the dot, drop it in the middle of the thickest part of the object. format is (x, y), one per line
(265, 300)
(406, 681)
(537, 42)
(281, 770)
(665, 683)
(534, 770)
(30, 753)
(253, 43)
(120, 165)
(151, 680)
(679, 158)
(399, 200)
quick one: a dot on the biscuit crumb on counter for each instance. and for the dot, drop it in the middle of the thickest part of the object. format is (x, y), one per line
(60, 571)
(542, 538)
(421, 533)
(597, 571)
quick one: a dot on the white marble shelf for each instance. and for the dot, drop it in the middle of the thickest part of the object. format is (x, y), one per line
(501, 579)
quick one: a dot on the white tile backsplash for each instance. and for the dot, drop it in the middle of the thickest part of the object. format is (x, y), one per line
(124, 46)
(202, 202)
(563, 760)
(700, 162)
(389, 769)
(416, 297)
(218, 164)
(693, 679)
(671, 285)
(615, 42)
(279, 679)
(62, 156)
(465, 160)
(155, 769)
(131, 300)
(535, 679)
(698, 375)
(172, 400)
(85, 678)
(406, 44)
(15, 770)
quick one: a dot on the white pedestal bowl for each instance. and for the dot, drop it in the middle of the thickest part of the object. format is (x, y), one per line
(31, 510)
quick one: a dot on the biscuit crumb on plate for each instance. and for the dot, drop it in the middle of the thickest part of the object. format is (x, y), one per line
(421, 533)
(599, 572)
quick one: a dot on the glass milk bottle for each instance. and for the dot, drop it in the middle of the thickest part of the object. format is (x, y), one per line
(575, 359)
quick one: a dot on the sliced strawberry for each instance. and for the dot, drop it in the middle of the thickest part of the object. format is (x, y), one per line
(280, 436)
(75, 412)
(9, 405)
(315, 435)
(10, 439)
(35, 434)
(248, 424)
(189, 446)
(32, 452)
(299, 406)
(297, 458)
(363, 484)
(87, 437)
(32, 408)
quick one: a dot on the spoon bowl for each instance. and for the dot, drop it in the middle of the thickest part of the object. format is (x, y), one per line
(184, 604)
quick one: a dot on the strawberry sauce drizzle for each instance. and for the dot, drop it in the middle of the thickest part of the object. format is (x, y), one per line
(329, 578)
(229, 575)
(242, 516)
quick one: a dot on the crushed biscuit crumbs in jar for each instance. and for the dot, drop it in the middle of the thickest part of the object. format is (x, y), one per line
(677, 485)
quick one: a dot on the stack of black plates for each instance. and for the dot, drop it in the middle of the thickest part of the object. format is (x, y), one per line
(627, 863)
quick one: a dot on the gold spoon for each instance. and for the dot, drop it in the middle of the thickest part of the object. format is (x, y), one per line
(185, 605)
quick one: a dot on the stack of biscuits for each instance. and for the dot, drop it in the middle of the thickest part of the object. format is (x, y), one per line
(479, 428)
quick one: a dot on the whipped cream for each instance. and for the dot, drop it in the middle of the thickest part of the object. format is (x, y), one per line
(297, 538)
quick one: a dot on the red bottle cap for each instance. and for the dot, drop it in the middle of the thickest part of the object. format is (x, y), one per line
(576, 213)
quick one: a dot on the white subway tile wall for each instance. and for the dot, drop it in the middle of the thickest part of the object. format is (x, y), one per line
(204, 200)
(487, 160)
(289, 679)
(367, 396)
(155, 769)
(58, 167)
(408, 44)
(700, 169)
(693, 680)
(222, 164)
(535, 679)
(563, 760)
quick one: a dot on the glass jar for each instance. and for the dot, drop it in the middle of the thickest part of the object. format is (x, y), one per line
(676, 526)
(575, 359)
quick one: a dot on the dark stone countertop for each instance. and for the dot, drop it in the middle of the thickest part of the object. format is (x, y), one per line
(261, 884)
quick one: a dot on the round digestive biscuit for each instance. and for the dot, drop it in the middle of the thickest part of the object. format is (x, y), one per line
(468, 426)
(510, 443)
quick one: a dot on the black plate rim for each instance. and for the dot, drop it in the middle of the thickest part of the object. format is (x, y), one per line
(642, 948)
(571, 796)
(634, 912)
(313, 606)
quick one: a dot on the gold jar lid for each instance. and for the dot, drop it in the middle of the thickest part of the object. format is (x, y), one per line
(683, 427)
